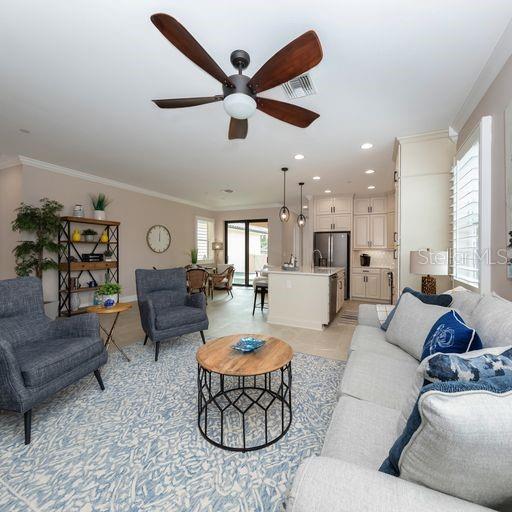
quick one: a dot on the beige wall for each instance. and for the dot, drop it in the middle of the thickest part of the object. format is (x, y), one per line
(137, 213)
(10, 198)
(494, 103)
(280, 241)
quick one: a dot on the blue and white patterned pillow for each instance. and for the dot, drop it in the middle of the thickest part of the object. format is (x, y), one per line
(450, 335)
(450, 367)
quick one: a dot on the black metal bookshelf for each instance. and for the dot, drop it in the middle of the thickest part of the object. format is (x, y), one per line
(72, 265)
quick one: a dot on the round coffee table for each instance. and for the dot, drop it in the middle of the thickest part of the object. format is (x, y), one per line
(244, 399)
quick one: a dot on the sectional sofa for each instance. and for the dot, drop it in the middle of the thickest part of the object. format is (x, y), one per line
(378, 379)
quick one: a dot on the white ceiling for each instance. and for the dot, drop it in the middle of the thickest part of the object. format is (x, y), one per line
(80, 76)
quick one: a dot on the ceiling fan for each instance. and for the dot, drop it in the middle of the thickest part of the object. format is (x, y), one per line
(240, 91)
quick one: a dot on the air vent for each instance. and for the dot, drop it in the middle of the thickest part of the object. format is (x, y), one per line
(299, 87)
(227, 191)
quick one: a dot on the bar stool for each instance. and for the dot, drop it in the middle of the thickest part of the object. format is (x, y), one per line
(260, 285)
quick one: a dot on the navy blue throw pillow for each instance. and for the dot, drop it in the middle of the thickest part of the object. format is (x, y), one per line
(450, 335)
(435, 300)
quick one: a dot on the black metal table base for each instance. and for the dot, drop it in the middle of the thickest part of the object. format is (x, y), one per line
(244, 413)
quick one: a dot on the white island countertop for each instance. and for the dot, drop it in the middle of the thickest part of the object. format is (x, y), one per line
(307, 271)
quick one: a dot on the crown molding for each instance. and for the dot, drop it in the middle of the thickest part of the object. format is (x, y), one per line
(423, 137)
(105, 181)
(247, 207)
(499, 56)
(6, 162)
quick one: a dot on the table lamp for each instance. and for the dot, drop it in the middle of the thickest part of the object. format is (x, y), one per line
(216, 247)
(429, 263)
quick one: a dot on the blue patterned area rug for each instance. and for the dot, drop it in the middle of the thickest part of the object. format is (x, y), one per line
(136, 446)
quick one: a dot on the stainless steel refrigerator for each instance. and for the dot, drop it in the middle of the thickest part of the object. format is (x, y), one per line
(334, 248)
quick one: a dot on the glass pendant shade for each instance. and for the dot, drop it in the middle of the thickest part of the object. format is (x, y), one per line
(239, 105)
(301, 220)
(284, 214)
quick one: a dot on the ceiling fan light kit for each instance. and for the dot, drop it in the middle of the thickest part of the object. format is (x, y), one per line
(239, 97)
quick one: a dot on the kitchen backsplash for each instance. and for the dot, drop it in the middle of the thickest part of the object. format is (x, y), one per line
(378, 258)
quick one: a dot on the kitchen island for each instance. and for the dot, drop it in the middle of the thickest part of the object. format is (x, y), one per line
(306, 297)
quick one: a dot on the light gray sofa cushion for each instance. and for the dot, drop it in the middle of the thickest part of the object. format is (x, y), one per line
(372, 339)
(464, 302)
(492, 319)
(367, 315)
(360, 432)
(411, 324)
(324, 484)
(458, 441)
(378, 379)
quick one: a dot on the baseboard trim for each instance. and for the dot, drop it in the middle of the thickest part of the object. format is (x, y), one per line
(292, 322)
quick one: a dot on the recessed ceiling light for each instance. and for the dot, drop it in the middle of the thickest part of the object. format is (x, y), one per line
(371, 187)
(299, 157)
(327, 191)
(369, 171)
(24, 130)
(316, 178)
(367, 145)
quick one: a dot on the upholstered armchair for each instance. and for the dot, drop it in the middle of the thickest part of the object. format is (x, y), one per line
(38, 356)
(166, 309)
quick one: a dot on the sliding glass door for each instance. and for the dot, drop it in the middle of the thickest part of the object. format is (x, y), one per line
(246, 248)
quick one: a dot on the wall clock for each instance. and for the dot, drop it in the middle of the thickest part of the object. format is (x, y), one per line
(158, 238)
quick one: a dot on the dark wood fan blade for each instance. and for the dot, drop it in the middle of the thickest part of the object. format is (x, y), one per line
(294, 59)
(287, 112)
(179, 36)
(186, 102)
(238, 128)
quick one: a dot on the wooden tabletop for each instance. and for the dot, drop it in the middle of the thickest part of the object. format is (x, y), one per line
(102, 310)
(218, 356)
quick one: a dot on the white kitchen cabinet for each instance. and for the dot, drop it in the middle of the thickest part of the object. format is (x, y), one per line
(343, 222)
(358, 285)
(366, 283)
(361, 233)
(373, 286)
(342, 204)
(370, 231)
(323, 223)
(391, 230)
(372, 205)
(323, 205)
(378, 231)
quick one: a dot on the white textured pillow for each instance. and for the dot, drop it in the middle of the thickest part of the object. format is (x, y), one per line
(419, 380)
(492, 320)
(464, 302)
(411, 324)
(459, 443)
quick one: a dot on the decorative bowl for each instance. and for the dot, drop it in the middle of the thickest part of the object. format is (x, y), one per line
(248, 344)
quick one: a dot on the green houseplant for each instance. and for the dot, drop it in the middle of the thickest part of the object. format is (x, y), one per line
(89, 234)
(99, 203)
(43, 222)
(193, 256)
(109, 291)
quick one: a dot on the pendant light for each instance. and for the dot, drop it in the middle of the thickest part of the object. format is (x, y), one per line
(284, 213)
(301, 219)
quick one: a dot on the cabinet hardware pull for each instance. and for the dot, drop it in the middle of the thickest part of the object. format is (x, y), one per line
(395, 176)
(395, 237)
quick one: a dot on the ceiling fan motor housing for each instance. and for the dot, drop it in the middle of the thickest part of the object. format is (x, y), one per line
(240, 83)
(240, 59)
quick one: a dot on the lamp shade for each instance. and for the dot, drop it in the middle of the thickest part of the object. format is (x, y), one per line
(239, 106)
(217, 246)
(425, 262)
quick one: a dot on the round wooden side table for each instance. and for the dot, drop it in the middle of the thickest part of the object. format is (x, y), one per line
(244, 399)
(117, 309)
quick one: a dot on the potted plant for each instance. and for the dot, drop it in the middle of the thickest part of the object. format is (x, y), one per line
(89, 234)
(109, 293)
(43, 222)
(108, 255)
(99, 203)
(193, 257)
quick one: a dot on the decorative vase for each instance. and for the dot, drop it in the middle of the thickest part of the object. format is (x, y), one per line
(99, 214)
(89, 238)
(76, 235)
(78, 211)
(109, 300)
(75, 301)
(104, 237)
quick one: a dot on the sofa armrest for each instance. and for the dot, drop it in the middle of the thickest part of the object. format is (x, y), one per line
(147, 316)
(12, 386)
(367, 315)
(86, 325)
(196, 300)
(324, 484)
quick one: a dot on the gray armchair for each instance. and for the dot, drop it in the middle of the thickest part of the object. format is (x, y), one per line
(166, 309)
(38, 356)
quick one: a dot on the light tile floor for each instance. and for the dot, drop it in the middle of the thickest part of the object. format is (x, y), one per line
(228, 316)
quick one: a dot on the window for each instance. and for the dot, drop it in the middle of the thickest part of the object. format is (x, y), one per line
(204, 238)
(470, 210)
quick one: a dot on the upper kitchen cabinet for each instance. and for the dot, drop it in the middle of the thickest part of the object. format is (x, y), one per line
(370, 231)
(376, 205)
(333, 213)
